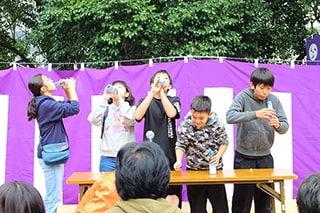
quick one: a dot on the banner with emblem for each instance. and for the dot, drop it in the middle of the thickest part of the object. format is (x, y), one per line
(313, 50)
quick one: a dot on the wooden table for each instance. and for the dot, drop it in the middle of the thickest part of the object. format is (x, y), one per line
(263, 178)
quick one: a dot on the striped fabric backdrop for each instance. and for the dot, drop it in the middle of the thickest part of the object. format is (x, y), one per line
(297, 87)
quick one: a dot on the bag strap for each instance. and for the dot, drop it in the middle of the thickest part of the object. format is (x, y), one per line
(64, 129)
(105, 114)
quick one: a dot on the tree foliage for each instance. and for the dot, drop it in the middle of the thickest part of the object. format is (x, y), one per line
(16, 17)
(108, 30)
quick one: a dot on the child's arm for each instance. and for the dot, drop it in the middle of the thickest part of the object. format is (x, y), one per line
(128, 113)
(70, 90)
(177, 165)
(142, 108)
(95, 116)
(167, 105)
(222, 149)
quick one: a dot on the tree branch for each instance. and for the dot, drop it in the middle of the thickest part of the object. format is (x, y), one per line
(16, 51)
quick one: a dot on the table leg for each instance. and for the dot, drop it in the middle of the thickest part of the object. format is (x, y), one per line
(282, 196)
(272, 192)
(273, 204)
(82, 189)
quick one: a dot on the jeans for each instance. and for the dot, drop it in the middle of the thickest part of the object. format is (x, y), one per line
(53, 175)
(107, 164)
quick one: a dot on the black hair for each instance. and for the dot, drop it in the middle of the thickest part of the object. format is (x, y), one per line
(201, 103)
(34, 85)
(262, 76)
(142, 171)
(308, 196)
(130, 99)
(20, 197)
(160, 71)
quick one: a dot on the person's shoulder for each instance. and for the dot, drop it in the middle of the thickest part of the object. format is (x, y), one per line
(166, 207)
(246, 91)
(173, 97)
(186, 124)
(245, 94)
(114, 209)
(273, 97)
(44, 100)
(103, 189)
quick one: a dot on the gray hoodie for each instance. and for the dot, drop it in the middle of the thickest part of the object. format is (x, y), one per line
(254, 136)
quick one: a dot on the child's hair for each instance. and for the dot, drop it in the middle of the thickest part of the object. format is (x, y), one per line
(201, 103)
(130, 99)
(308, 195)
(160, 71)
(20, 197)
(34, 85)
(262, 76)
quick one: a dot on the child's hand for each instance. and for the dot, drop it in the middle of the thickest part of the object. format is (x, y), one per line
(114, 96)
(177, 166)
(70, 84)
(274, 121)
(265, 113)
(155, 87)
(106, 96)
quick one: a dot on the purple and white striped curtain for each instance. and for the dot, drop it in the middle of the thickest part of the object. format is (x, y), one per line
(297, 87)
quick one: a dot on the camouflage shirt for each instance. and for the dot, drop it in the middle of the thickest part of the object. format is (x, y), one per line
(197, 143)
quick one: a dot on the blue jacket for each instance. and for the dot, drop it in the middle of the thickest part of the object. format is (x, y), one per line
(49, 116)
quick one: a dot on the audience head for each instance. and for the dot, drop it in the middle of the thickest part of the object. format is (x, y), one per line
(308, 197)
(20, 197)
(142, 171)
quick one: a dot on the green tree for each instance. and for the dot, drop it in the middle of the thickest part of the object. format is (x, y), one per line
(74, 31)
(16, 18)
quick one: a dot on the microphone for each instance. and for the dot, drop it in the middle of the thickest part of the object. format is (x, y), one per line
(269, 105)
(61, 82)
(150, 135)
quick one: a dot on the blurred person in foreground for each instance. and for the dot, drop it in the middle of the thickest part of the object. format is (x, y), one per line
(308, 196)
(20, 197)
(142, 179)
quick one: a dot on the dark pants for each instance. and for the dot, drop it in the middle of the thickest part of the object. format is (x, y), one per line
(198, 195)
(244, 193)
(176, 190)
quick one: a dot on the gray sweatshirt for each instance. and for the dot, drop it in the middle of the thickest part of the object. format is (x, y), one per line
(118, 128)
(254, 136)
